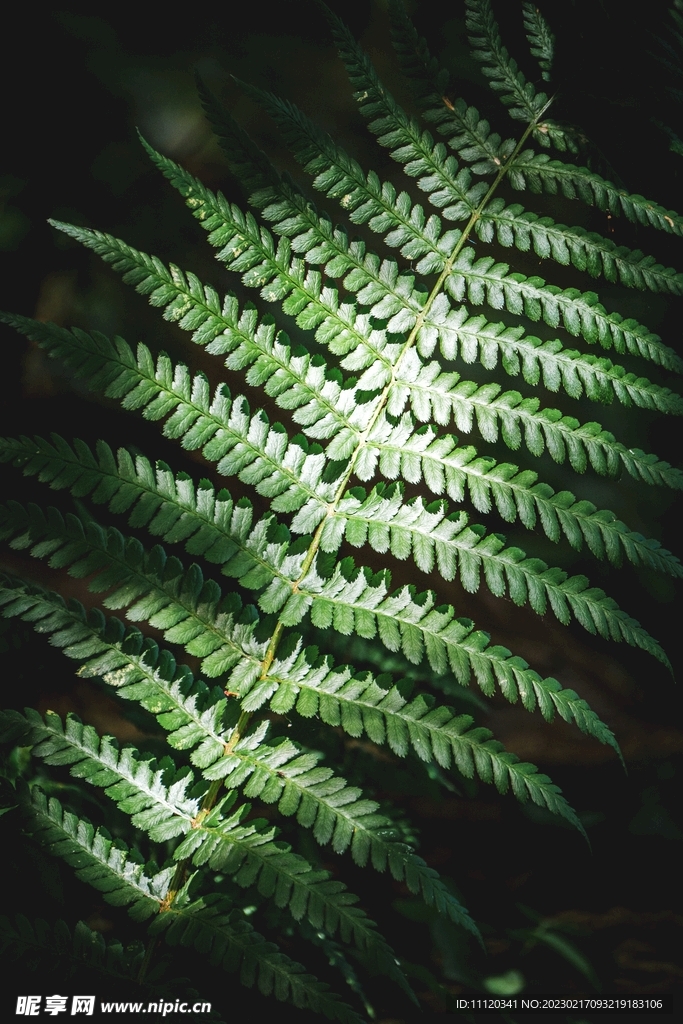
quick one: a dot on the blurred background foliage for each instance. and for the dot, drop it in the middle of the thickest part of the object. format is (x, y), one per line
(556, 915)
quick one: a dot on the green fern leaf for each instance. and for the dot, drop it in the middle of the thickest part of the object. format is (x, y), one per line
(517, 494)
(322, 401)
(243, 445)
(396, 449)
(130, 783)
(635, 270)
(562, 435)
(374, 409)
(585, 250)
(209, 524)
(589, 442)
(228, 941)
(473, 338)
(98, 861)
(436, 173)
(250, 249)
(434, 539)
(248, 853)
(581, 314)
(131, 663)
(38, 943)
(539, 173)
(150, 586)
(541, 39)
(155, 795)
(280, 772)
(360, 703)
(354, 600)
(524, 103)
(472, 140)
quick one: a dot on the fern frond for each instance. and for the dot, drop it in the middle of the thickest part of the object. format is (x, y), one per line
(379, 285)
(367, 200)
(600, 380)
(355, 600)
(149, 585)
(563, 437)
(580, 313)
(539, 173)
(361, 703)
(473, 140)
(213, 526)
(434, 539)
(39, 945)
(371, 409)
(333, 810)
(432, 400)
(250, 249)
(294, 216)
(222, 935)
(321, 400)
(278, 771)
(289, 472)
(98, 861)
(222, 531)
(517, 494)
(524, 103)
(170, 505)
(155, 795)
(313, 235)
(199, 309)
(512, 225)
(139, 671)
(590, 443)
(474, 338)
(247, 852)
(528, 295)
(437, 173)
(391, 294)
(131, 663)
(370, 202)
(541, 39)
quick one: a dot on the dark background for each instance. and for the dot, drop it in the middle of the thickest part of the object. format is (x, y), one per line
(558, 915)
